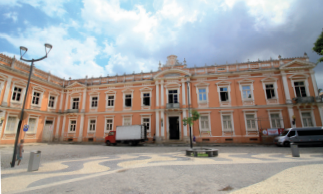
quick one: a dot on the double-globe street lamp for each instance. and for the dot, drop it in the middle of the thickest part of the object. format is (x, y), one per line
(23, 51)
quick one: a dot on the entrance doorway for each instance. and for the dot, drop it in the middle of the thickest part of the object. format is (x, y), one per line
(173, 127)
(48, 131)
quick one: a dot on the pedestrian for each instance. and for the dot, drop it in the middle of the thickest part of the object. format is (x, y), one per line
(154, 138)
(194, 139)
(20, 150)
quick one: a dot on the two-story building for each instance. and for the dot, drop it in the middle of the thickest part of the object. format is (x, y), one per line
(235, 101)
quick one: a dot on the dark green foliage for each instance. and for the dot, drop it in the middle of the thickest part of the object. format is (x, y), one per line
(318, 47)
(189, 120)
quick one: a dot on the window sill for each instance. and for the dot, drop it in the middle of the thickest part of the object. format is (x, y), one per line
(71, 132)
(247, 99)
(91, 132)
(31, 133)
(9, 133)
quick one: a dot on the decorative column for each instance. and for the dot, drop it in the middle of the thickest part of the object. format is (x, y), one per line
(183, 91)
(162, 130)
(80, 138)
(286, 89)
(6, 93)
(61, 102)
(314, 83)
(157, 125)
(57, 127)
(291, 114)
(162, 92)
(64, 119)
(157, 94)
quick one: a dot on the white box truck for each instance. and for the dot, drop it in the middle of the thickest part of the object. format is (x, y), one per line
(131, 134)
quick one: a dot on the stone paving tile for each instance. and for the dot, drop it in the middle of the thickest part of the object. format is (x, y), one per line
(54, 179)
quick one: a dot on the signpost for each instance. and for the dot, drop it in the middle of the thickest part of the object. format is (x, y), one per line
(26, 128)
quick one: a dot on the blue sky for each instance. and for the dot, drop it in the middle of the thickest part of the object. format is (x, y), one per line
(101, 37)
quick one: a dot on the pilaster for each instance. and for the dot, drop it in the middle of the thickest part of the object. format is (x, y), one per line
(157, 94)
(183, 92)
(162, 92)
(314, 82)
(286, 89)
(6, 93)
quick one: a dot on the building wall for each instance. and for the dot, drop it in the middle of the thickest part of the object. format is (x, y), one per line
(171, 76)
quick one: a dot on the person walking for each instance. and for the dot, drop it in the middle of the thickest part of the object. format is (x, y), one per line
(20, 150)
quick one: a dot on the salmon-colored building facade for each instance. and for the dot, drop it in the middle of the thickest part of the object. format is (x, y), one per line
(235, 101)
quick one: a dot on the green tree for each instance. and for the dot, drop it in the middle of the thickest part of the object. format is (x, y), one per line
(318, 47)
(190, 120)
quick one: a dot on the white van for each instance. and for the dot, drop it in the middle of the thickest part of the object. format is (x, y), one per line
(306, 135)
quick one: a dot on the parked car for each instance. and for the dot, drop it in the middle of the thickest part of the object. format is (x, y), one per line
(131, 134)
(307, 135)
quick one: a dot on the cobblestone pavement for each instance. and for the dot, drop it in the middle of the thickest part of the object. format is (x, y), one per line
(89, 169)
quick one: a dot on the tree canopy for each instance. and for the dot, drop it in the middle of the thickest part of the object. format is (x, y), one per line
(189, 120)
(318, 47)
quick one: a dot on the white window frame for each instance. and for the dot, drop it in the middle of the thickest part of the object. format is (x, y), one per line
(272, 81)
(312, 116)
(72, 99)
(250, 112)
(224, 84)
(90, 101)
(305, 85)
(304, 79)
(69, 125)
(107, 94)
(23, 90)
(178, 94)
(127, 92)
(105, 124)
(226, 113)
(279, 112)
(146, 117)
(202, 85)
(146, 91)
(16, 125)
(123, 118)
(247, 82)
(206, 114)
(55, 101)
(36, 125)
(89, 124)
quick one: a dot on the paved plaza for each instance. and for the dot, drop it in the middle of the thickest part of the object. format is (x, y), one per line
(73, 168)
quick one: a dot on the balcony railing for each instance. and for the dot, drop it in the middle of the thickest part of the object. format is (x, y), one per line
(309, 99)
(72, 110)
(172, 105)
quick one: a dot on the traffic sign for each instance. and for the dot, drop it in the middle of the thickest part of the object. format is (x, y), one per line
(26, 128)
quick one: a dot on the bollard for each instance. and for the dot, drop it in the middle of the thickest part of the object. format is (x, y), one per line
(294, 148)
(34, 161)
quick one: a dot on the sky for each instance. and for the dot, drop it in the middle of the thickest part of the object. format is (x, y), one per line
(108, 37)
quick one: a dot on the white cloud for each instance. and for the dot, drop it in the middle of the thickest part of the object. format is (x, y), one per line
(69, 57)
(11, 15)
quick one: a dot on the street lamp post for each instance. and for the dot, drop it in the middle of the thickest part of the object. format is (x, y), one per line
(48, 47)
(189, 112)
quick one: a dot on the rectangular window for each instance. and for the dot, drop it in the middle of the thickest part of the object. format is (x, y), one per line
(110, 100)
(246, 92)
(32, 125)
(51, 101)
(251, 122)
(204, 123)
(146, 99)
(275, 121)
(226, 119)
(307, 119)
(109, 124)
(16, 94)
(36, 97)
(224, 94)
(172, 96)
(146, 122)
(270, 91)
(126, 120)
(92, 125)
(127, 101)
(94, 102)
(202, 94)
(75, 104)
(73, 125)
(300, 89)
(11, 124)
